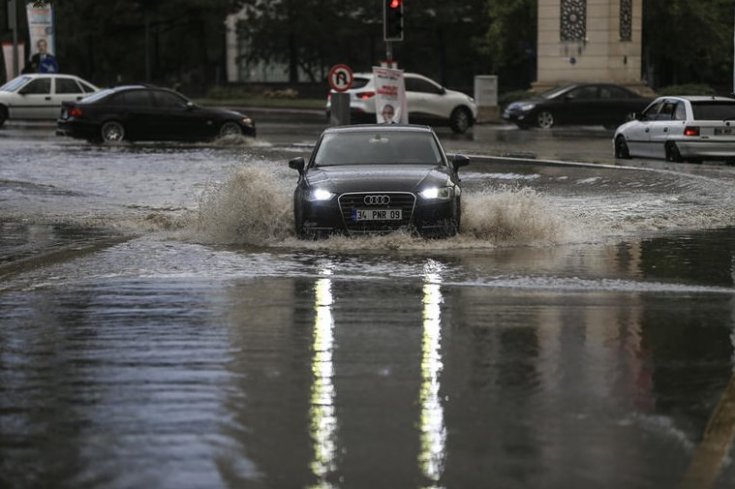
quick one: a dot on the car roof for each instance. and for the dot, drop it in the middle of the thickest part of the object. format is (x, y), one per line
(699, 98)
(379, 127)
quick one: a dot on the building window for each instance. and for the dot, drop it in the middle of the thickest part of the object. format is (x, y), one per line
(626, 20)
(573, 20)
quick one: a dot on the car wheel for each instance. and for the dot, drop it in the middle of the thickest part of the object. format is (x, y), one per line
(230, 128)
(621, 148)
(460, 120)
(672, 152)
(545, 119)
(3, 114)
(112, 132)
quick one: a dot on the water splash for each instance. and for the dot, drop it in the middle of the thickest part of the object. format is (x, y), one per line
(254, 206)
(511, 217)
(251, 207)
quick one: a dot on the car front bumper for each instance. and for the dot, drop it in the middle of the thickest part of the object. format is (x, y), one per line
(427, 218)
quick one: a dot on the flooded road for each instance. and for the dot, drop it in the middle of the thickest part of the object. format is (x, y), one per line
(161, 326)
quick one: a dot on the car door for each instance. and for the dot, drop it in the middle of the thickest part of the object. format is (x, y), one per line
(425, 100)
(661, 127)
(134, 108)
(638, 134)
(65, 89)
(175, 118)
(616, 106)
(34, 101)
(579, 105)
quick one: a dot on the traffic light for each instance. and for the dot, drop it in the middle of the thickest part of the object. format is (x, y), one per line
(393, 20)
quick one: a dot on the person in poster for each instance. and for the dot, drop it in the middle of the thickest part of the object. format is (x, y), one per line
(42, 61)
(390, 96)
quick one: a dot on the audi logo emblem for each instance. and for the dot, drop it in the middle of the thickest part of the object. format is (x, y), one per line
(376, 200)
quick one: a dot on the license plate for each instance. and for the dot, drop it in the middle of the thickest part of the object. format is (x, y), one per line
(723, 131)
(377, 214)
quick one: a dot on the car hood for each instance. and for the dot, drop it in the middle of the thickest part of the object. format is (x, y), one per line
(530, 101)
(377, 178)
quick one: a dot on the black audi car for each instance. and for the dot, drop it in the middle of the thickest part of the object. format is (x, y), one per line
(147, 113)
(375, 179)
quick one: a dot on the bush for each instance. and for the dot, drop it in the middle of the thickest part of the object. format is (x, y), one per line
(686, 89)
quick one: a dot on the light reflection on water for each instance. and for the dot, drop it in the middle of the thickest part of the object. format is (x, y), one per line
(433, 429)
(323, 419)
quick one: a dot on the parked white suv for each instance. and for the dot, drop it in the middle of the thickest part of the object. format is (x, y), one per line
(428, 102)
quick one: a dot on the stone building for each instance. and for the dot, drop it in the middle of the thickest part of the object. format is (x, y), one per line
(589, 41)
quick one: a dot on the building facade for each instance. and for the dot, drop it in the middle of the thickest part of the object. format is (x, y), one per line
(589, 41)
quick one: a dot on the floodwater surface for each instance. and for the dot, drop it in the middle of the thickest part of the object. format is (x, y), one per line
(162, 327)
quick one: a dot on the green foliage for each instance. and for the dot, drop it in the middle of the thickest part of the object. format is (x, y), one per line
(687, 89)
(511, 41)
(106, 41)
(688, 41)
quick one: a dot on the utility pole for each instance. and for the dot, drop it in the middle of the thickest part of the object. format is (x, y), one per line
(13, 26)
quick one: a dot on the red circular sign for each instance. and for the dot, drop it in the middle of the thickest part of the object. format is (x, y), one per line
(340, 78)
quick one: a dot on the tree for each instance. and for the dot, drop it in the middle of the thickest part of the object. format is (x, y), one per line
(109, 42)
(688, 41)
(511, 42)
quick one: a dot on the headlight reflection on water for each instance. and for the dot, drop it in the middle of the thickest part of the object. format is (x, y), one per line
(323, 420)
(433, 429)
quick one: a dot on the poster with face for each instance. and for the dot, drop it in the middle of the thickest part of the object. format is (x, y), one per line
(390, 96)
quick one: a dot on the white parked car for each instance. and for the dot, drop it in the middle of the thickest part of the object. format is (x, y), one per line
(428, 102)
(39, 96)
(685, 128)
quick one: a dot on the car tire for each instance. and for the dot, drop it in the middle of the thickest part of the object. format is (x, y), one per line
(545, 119)
(672, 153)
(112, 132)
(460, 120)
(230, 128)
(3, 114)
(621, 148)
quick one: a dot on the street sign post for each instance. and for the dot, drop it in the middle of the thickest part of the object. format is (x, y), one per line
(340, 80)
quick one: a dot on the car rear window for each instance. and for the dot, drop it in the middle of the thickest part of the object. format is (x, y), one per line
(359, 82)
(713, 111)
(380, 147)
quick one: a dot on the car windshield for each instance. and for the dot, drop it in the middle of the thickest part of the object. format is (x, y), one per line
(359, 82)
(713, 111)
(555, 92)
(14, 84)
(379, 147)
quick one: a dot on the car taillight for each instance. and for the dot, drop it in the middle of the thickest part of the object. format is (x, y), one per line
(75, 112)
(365, 95)
(691, 131)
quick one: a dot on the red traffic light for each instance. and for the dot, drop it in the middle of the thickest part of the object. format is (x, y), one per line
(395, 3)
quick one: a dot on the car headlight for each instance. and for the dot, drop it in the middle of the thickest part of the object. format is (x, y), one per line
(437, 193)
(320, 195)
(526, 107)
(247, 121)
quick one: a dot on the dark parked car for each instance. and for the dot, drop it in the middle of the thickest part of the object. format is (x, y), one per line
(582, 104)
(369, 179)
(146, 113)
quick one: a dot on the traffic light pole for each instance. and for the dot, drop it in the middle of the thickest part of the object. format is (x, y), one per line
(389, 53)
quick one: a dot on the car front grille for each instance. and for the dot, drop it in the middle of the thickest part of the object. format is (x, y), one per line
(405, 201)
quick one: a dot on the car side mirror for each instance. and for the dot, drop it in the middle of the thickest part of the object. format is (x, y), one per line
(190, 105)
(297, 164)
(459, 161)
